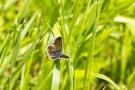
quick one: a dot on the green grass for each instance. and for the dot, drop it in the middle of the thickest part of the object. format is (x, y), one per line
(98, 35)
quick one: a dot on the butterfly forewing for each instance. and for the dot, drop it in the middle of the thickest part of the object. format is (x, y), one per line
(58, 44)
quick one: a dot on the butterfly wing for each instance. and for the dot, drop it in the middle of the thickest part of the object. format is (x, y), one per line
(58, 44)
(51, 50)
(62, 56)
(55, 51)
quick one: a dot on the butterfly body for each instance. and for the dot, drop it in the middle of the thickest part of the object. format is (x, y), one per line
(55, 51)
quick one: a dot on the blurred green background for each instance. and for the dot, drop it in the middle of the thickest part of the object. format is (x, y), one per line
(98, 35)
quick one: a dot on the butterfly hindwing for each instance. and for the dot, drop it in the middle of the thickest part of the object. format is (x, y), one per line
(58, 44)
(64, 56)
(54, 57)
(50, 50)
(53, 53)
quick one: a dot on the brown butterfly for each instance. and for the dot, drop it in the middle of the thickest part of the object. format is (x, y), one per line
(55, 51)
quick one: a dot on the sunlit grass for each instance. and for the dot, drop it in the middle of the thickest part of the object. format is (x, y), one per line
(98, 35)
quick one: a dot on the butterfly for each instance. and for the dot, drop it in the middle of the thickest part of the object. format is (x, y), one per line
(55, 51)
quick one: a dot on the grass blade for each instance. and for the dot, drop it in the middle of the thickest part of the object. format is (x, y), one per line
(71, 75)
(23, 11)
(91, 49)
(101, 76)
(17, 72)
(42, 85)
(56, 76)
(27, 27)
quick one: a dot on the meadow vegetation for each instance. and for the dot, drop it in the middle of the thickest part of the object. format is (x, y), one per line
(98, 35)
